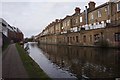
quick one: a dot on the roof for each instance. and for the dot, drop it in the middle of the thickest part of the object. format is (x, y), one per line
(66, 17)
(3, 21)
(100, 6)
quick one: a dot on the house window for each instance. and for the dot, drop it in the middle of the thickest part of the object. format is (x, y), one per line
(62, 27)
(67, 23)
(76, 20)
(118, 6)
(73, 38)
(80, 19)
(92, 17)
(76, 38)
(84, 38)
(106, 9)
(117, 37)
(99, 13)
(68, 39)
(96, 37)
(3, 25)
(102, 35)
(90, 38)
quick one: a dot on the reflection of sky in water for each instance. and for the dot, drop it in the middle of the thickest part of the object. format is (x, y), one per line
(64, 61)
(52, 70)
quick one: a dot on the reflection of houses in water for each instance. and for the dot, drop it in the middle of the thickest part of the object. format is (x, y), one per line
(89, 62)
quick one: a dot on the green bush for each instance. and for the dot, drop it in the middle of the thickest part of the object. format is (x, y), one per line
(103, 43)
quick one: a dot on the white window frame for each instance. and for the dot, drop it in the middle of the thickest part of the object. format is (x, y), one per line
(106, 9)
(92, 16)
(99, 13)
(118, 6)
(81, 19)
(76, 20)
(68, 23)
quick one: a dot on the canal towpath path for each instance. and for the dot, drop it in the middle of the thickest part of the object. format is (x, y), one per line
(12, 66)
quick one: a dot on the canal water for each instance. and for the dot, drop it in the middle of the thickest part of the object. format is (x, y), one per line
(76, 62)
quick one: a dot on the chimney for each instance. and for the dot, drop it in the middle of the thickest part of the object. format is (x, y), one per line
(86, 15)
(91, 5)
(77, 10)
(57, 20)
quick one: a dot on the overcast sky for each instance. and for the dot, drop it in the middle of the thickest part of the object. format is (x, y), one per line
(33, 16)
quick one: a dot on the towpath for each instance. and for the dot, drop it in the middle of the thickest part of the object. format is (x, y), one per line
(12, 66)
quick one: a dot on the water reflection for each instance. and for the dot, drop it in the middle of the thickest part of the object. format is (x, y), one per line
(51, 69)
(83, 61)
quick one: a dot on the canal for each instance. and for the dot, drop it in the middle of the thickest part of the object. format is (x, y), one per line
(76, 62)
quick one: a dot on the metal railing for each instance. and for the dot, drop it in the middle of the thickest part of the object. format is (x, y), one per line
(114, 23)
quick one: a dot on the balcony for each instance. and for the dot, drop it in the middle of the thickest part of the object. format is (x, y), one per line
(64, 32)
(114, 23)
(95, 26)
(75, 29)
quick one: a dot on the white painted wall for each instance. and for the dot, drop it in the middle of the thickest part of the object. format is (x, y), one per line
(4, 28)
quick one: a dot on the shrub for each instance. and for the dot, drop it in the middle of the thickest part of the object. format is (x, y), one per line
(103, 43)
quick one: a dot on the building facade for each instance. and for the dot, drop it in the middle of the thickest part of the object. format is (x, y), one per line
(10, 33)
(95, 26)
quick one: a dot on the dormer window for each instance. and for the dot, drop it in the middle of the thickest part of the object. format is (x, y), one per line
(118, 6)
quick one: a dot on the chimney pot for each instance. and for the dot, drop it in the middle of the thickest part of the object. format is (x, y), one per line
(91, 5)
(77, 10)
(56, 20)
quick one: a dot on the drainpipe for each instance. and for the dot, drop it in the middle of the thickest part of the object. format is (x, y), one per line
(109, 10)
(86, 15)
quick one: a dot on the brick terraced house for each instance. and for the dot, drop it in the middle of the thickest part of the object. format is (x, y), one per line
(95, 26)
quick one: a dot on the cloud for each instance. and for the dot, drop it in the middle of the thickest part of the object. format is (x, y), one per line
(33, 17)
(52, 0)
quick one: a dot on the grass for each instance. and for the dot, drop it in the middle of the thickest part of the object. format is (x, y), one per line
(34, 71)
(5, 46)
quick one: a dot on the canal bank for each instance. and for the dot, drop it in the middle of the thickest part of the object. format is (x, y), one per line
(12, 66)
(74, 62)
(52, 70)
(32, 68)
